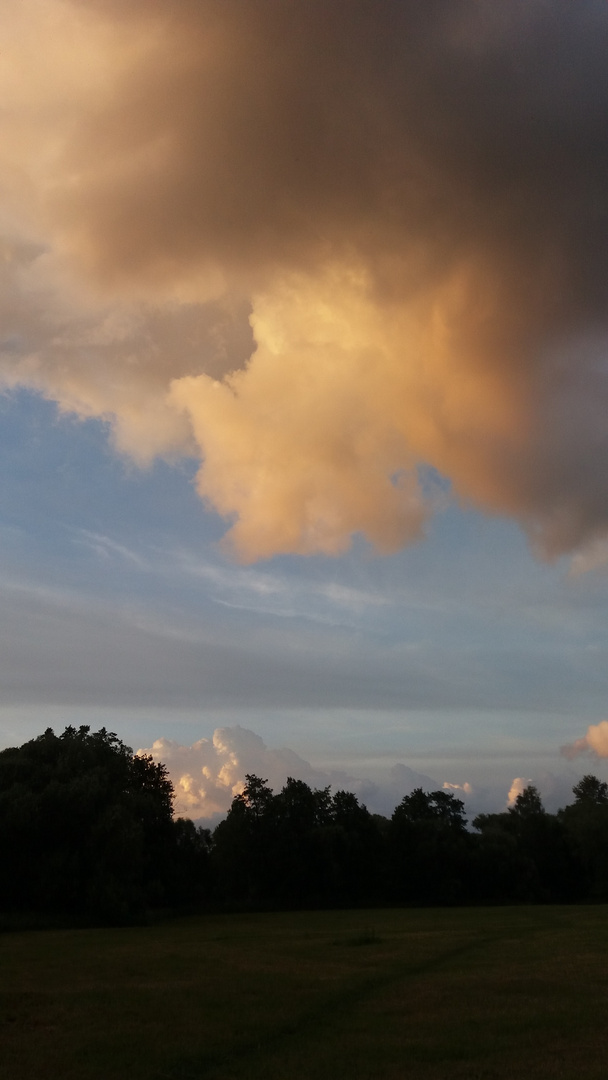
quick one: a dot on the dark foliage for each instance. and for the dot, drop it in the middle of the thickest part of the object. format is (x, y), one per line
(585, 823)
(86, 830)
(303, 848)
(527, 854)
(429, 848)
(300, 847)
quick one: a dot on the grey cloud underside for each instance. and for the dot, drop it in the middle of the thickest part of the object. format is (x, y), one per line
(372, 125)
(91, 355)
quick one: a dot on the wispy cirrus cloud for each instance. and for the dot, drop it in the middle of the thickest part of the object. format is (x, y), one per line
(106, 548)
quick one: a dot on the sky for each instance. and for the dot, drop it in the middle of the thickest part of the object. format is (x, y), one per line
(304, 390)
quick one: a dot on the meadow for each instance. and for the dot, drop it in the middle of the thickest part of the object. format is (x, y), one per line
(365, 995)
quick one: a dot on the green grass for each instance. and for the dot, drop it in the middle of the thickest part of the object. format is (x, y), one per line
(473, 994)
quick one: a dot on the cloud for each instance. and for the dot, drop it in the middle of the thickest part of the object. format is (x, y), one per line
(595, 741)
(405, 780)
(106, 548)
(408, 203)
(593, 556)
(465, 788)
(555, 789)
(209, 773)
(111, 360)
(519, 785)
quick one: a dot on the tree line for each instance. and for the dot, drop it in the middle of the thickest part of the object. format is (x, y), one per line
(87, 830)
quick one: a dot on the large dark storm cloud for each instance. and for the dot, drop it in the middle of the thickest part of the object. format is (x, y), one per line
(411, 197)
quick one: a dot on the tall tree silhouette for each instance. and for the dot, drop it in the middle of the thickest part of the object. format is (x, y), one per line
(85, 825)
(586, 824)
(429, 848)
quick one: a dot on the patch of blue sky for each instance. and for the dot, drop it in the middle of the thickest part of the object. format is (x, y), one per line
(119, 606)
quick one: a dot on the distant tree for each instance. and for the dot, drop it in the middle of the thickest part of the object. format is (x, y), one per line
(502, 870)
(298, 848)
(301, 816)
(499, 872)
(256, 797)
(85, 825)
(524, 854)
(189, 878)
(528, 804)
(302, 808)
(591, 791)
(242, 853)
(440, 807)
(586, 824)
(357, 860)
(429, 848)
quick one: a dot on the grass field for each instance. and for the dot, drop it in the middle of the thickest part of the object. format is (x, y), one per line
(379, 995)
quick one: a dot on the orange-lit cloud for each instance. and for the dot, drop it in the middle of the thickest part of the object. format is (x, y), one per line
(517, 788)
(409, 201)
(207, 775)
(466, 788)
(595, 741)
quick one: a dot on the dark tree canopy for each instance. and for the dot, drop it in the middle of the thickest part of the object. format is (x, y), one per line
(85, 825)
(440, 807)
(86, 831)
(590, 790)
(528, 803)
(299, 847)
(428, 844)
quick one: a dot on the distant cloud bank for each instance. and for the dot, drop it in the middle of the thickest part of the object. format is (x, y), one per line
(208, 774)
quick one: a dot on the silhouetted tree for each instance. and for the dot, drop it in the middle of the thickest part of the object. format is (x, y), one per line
(429, 848)
(302, 864)
(85, 825)
(524, 854)
(357, 852)
(300, 847)
(242, 847)
(528, 804)
(590, 791)
(188, 877)
(86, 828)
(585, 822)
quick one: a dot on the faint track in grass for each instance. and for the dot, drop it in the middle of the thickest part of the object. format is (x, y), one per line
(327, 1008)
